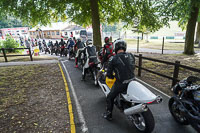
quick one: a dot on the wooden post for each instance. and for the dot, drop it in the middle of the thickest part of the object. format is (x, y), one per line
(176, 72)
(138, 44)
(4, 54)
(140, 65)
(30, 54)
(163, 44)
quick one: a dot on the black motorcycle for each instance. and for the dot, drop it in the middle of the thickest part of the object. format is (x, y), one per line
(47, 49)
(92, 65)
(185, 104)
(71, 52)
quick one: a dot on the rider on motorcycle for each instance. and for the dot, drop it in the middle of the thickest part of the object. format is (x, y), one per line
(62, 46)
(123, 65)
(107, 50)
(90, 53)
(79, 47)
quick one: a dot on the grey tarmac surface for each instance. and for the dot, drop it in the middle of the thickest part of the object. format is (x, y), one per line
(92, 101)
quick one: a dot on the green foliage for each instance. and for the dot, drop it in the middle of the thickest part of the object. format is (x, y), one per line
(10, 43)
(179, 10)
(10, 23)
(109, 28)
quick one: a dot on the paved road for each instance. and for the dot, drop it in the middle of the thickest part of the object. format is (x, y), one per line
(92, 101)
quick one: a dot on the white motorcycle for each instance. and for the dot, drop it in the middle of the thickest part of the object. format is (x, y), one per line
(133, 104)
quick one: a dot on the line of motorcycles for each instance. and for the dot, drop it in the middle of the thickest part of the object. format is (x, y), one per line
(184, 105)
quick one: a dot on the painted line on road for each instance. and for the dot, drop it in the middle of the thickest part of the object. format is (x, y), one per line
(153, 88)
(71, 115)
(84, 127)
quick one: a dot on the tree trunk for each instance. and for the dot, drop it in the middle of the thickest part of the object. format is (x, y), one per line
(142, 35)
(197, 34)
(189, 41)
(96, 23)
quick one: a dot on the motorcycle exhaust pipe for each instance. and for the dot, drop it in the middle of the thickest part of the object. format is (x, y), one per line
(136, 109)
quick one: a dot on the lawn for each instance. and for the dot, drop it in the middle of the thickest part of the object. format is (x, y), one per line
(33, 99)
(26, 58)
(157, 44)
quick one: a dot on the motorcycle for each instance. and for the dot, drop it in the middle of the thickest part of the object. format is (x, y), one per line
(71, 53)
(185, 104)
(133, 103)
(81, 59)
(46, 49)
(93, 68)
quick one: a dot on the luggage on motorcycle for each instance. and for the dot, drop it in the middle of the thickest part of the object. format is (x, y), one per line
(110, 82)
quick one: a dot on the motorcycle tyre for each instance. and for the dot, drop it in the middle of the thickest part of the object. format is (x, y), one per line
(95, 76)
(171, 101)
(149, 122)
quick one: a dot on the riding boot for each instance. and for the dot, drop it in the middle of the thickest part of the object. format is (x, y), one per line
(76, 62)
(107, 115)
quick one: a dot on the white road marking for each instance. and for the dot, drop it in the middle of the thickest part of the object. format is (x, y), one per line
(153, 88)
(84, 127)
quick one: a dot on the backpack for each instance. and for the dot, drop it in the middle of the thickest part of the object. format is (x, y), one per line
(109, 48)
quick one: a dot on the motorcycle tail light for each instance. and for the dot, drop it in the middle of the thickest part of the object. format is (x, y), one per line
(91, 63)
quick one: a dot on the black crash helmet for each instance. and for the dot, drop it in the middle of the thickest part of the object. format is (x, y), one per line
(120, 44)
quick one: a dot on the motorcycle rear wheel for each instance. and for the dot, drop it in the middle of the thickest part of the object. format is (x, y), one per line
(95, 77)
(176, 113)
(143, 122)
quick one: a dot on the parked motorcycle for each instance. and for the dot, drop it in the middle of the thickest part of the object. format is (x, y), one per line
(133, 103)
(185, 104)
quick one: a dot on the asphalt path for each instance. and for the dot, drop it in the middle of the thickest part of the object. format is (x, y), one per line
(93, 102)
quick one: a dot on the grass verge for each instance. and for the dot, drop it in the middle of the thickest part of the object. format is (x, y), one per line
(33, 99)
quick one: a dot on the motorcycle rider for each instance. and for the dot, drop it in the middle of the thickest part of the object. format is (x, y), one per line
(70, 46)
(107, 50)
(79, 47)
(123, 65)
(90, 53)
(62, 46)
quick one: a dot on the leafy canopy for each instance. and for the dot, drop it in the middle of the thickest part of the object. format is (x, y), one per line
(140, 13)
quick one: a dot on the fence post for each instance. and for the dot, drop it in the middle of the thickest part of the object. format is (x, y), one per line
(140, 65)
(163, 44)
(4, 54)
(138, 44)
(176, 72)
(30, 54)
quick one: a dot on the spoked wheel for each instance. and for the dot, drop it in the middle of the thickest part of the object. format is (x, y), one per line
(144, 122)
(174, 108)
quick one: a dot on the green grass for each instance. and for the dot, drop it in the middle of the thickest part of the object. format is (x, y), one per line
(152, 44)
(26, 58)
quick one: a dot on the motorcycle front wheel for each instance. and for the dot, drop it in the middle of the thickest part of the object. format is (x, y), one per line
(176, 113)
(143, 122)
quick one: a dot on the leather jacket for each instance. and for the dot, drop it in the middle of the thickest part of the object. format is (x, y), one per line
(123, 65)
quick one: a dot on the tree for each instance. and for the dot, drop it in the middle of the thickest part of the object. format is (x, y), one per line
(10, 23)
(86, 12)
(186, 12)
